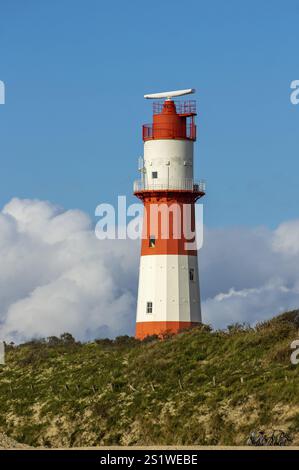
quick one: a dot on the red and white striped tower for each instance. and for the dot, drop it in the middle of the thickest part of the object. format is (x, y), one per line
(168, 292)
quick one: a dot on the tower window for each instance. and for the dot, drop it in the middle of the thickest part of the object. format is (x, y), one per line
(152, 241)
(154, 174)
(191, 274)
(149, 307)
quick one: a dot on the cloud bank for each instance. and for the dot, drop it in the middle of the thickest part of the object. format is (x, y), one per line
(249, 275)
(56, 276)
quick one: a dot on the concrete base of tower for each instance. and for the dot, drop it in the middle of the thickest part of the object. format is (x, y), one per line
(149, 328)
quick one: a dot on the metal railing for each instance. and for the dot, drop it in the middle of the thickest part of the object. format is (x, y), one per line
(182, 107)
(179, 185)
(152, 131)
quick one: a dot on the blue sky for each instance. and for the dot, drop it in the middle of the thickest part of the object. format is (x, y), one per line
(75, 74)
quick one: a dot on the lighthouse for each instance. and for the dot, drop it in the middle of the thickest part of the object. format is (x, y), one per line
(168, 290)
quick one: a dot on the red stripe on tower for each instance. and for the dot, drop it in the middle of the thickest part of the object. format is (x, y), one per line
(168, 292)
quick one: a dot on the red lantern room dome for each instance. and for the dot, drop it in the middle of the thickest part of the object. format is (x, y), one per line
(171, 120)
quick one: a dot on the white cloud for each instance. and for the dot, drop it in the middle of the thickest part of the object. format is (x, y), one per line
(286, 238)
(56, 276)
(249, 275)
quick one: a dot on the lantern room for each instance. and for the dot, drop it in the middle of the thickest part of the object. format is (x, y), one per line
(171, 120)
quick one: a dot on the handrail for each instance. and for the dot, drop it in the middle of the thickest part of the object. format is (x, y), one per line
(179, 185)
(152, 131)
(182, 107)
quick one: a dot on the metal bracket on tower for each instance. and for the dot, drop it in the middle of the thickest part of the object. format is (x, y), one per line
(141, 167)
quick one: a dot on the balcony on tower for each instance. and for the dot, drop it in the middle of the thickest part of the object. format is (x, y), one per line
(184, 184)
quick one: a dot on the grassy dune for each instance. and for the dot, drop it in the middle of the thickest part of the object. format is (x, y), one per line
(199, 387)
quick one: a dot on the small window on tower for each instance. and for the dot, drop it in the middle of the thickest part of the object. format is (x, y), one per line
(152, 241)
(149, 307)
(154, 174)
(191, 274)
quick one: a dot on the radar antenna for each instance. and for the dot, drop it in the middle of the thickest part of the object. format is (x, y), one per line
(170, 94)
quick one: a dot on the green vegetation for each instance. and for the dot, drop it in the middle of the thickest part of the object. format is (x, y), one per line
(198, 387)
